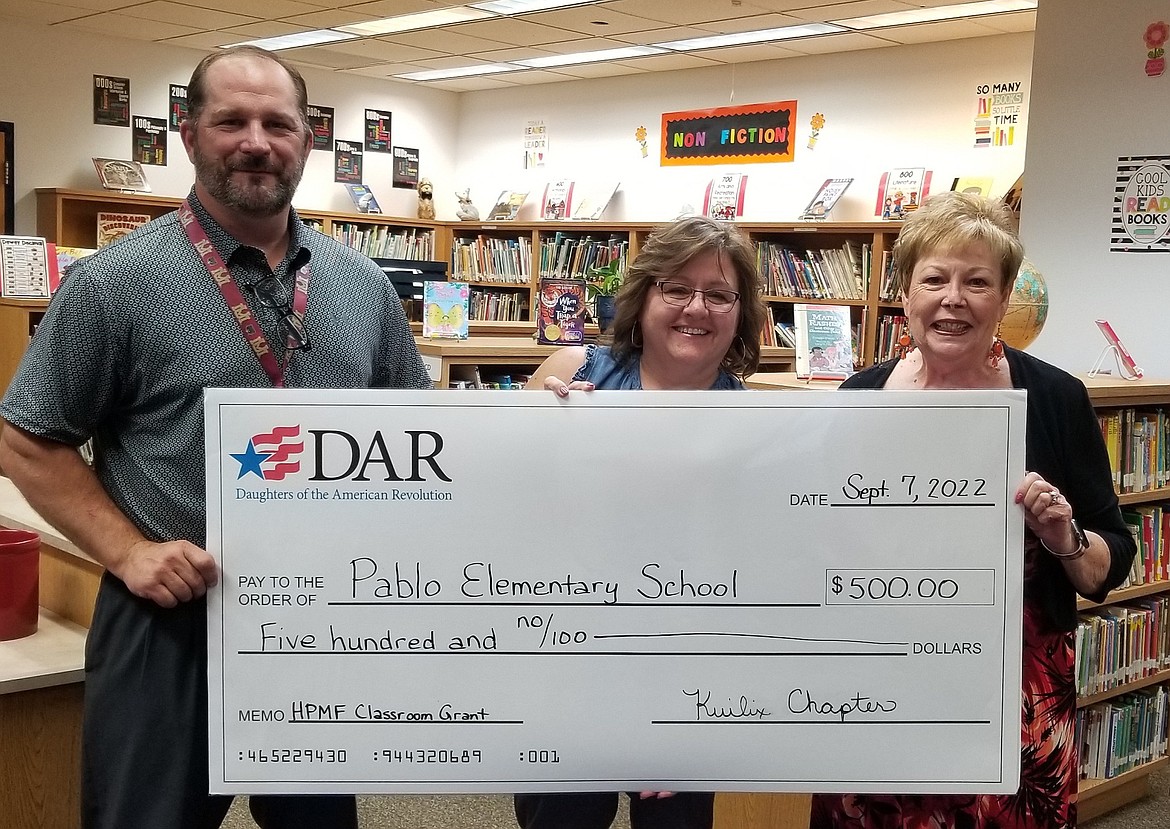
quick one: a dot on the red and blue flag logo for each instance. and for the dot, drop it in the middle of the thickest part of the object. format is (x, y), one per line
(272, 455)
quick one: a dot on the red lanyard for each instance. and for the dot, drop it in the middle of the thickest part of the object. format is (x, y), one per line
(253, 335)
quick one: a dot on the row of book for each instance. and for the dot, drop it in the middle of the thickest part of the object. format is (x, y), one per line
(490, 259)
(498, 305)
(386, 243)
(574, 257)
(1118, 736)
(887, 286)
(1122, 643)
(829, 273)
(889, 330)
(1138, 443)
(1150, 527)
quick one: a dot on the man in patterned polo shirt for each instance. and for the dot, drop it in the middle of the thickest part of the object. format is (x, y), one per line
(231, 290)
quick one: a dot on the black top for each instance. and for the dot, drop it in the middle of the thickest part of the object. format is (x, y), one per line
(1063, 444)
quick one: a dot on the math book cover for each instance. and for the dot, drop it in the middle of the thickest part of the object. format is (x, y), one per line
(824, 341)
(445, 310)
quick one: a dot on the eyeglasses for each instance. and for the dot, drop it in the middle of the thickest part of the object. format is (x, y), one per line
(719, 300)
(270, 293)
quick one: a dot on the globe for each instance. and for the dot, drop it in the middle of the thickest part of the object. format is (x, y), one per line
(1027, 308)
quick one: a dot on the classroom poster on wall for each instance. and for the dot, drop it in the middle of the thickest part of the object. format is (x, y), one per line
(1141, 205)
(347, 162)
(535, 144)
(405, 172)
(111, 101)
(377, 131)
(999, 110)
(746, 134)
(321, 125)
(723, 198)
(178, 109)
(150, 140)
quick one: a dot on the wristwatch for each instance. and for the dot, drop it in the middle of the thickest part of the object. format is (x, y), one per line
(1082, 543)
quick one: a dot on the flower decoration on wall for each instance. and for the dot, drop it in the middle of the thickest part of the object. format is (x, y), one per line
(1156, 37)
(640, 134)
(817, 122)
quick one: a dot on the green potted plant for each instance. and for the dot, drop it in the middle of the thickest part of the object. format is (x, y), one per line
(603, 283)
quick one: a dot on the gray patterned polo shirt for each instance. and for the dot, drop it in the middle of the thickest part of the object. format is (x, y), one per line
(138, 330)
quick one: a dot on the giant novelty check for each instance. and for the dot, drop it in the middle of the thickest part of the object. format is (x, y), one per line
(484, 591)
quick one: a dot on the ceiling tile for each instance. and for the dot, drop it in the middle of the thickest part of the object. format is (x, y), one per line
(167, 12)
(751, 24)
(384, 71)
(572, 47)
(536, 76)
(262, 9)
(514, 32)
(472, 84)
(849, 42)
(934, 32)
(673, 61)
(323, 56)
(447, 41)
(329, 18)
(119, 25)
(594, 21)
(822, 12)
(92, 5)
(599, 70)
(511, 54)
(748, 53)
(393, 8)
(206, 41)
(680, 12)
(1010, 23)
(263, 29)
(46, 13)
(660, 35)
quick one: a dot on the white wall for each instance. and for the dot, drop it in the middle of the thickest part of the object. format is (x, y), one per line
(46, 83)
(1093, 104)
(907, 106)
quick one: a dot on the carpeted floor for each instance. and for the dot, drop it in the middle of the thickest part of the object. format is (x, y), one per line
(495, 811)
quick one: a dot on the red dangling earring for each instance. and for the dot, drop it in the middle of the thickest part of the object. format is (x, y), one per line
(996, 353)
(905, 344)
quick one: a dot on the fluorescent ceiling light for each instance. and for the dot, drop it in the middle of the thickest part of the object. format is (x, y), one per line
(937, 13)
(525, 6)
(313, 38)
(459, 72)
(760, 36)
(590, 57)
(419, 20)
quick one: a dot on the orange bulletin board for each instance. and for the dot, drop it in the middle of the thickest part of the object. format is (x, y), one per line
(742, 134)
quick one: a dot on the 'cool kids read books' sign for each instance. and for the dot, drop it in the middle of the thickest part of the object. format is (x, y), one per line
(479, 591)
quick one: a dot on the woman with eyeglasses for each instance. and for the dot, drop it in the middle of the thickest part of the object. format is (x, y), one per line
(688, 316)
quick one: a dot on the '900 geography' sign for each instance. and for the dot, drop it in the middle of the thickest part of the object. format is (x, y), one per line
(487, 591)
(746, 134)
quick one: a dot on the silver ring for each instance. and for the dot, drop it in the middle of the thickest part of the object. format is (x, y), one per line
(1056, 497)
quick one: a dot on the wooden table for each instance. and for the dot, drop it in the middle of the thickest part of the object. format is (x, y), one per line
(41, 680)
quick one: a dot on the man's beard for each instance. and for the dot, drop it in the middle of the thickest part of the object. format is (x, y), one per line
(249, 199)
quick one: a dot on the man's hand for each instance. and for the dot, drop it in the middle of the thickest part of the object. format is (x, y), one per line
(167, 573)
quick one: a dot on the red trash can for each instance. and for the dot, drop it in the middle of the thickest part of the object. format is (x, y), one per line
(20, 553)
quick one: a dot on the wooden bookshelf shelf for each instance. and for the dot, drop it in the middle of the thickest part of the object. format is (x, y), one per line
(1126, 594)
(1125, 688)
(1097, 797)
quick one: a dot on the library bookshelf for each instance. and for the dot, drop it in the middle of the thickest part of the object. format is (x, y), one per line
(1097, 796)
(503, 261)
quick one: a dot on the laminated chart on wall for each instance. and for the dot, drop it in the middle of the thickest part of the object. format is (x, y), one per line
(425, 591)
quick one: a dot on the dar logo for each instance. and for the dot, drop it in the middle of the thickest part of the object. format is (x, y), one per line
(272, 455)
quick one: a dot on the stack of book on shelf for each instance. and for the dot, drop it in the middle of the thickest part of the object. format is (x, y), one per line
(573, 257)
(1138, 443)
(1117, 736)
(498, 305)
(1150, 527)
(888, 331)
(380, 241)
(1119, 644)
(490, 259)
(888, 288)
(830, 273)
